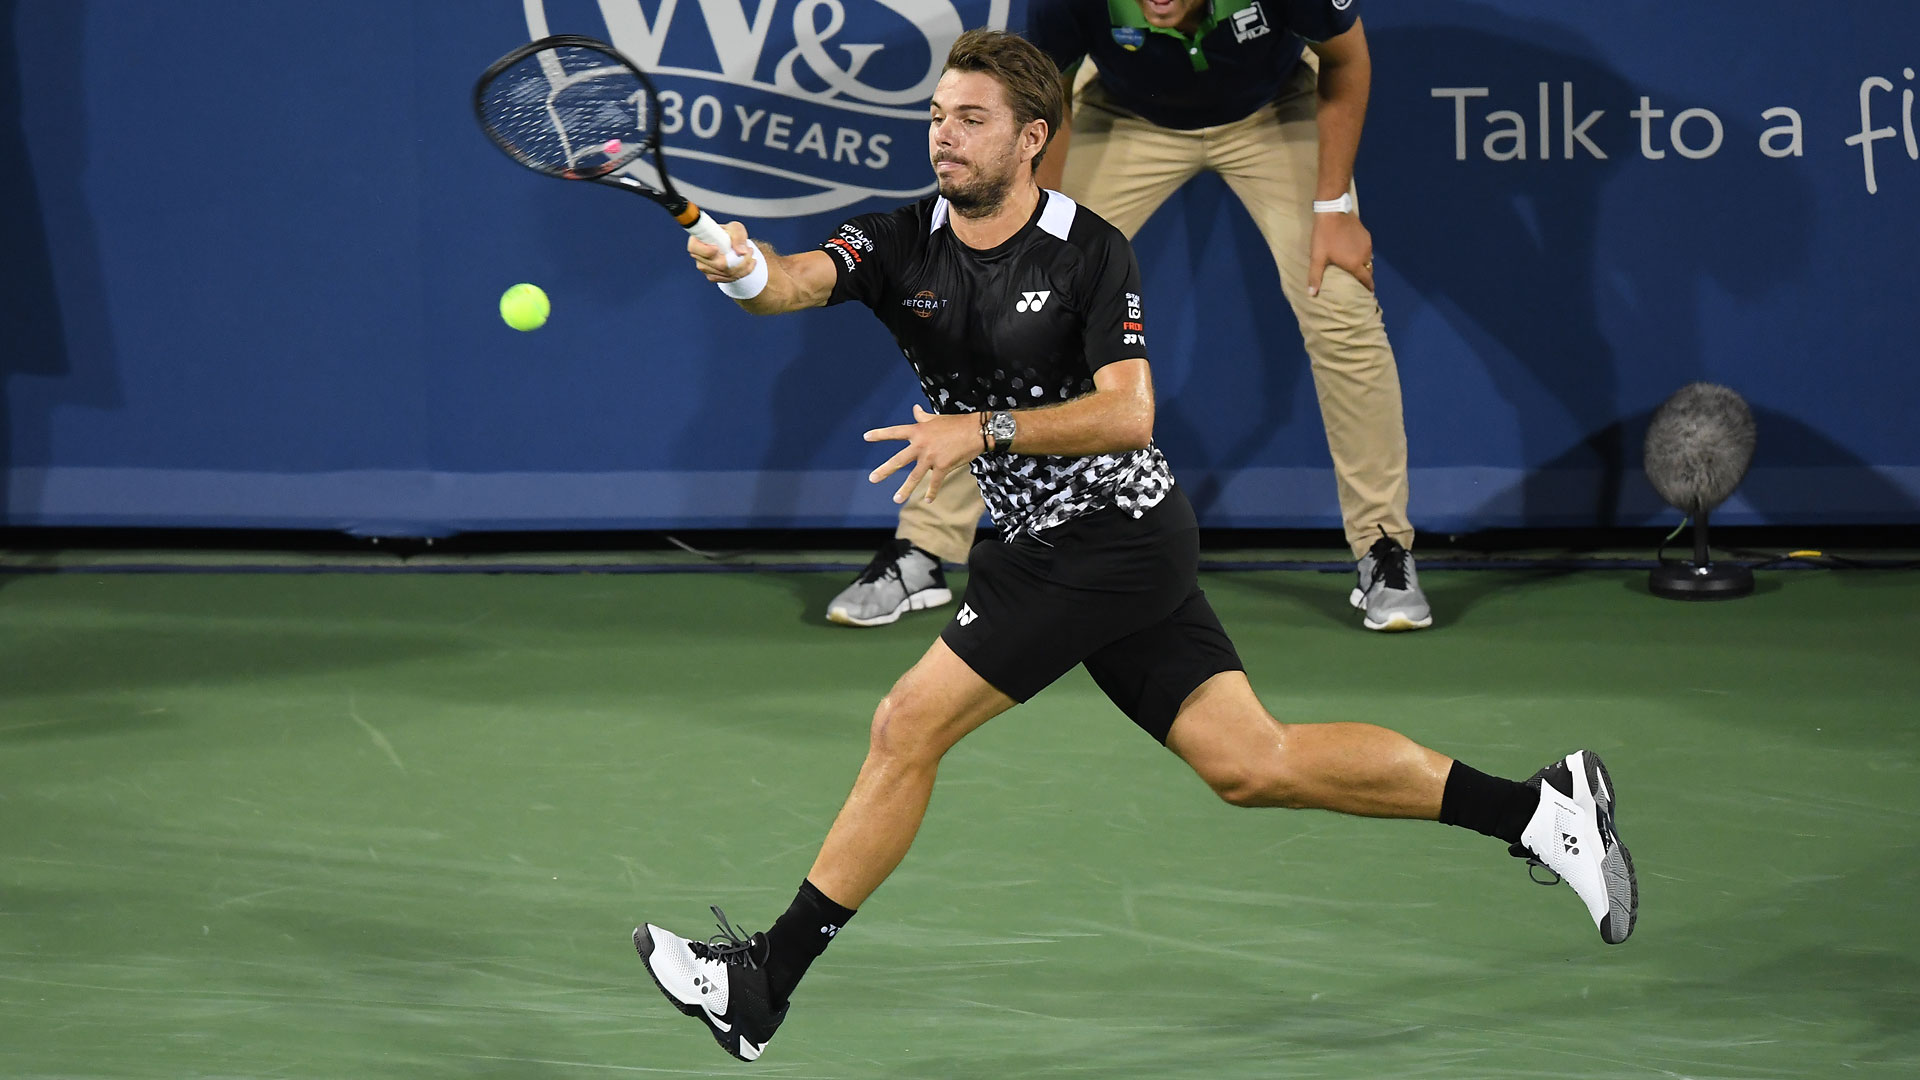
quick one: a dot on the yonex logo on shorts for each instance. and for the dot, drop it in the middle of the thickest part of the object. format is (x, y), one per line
(967, 615)
(1032, 301)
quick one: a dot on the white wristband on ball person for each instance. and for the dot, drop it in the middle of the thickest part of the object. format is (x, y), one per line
(1341, 205)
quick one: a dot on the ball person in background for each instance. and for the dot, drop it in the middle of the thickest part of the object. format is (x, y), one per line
(1271, 95)
(1095, 559)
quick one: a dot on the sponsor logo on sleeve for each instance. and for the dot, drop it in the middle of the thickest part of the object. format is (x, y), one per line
(849, 257)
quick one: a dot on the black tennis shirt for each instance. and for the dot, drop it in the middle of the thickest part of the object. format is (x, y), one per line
(1020, 325)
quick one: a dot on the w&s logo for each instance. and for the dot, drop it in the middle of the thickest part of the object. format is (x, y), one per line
(784, 108)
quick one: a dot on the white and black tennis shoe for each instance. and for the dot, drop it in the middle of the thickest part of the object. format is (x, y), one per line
(1572, 835)
(721, 981)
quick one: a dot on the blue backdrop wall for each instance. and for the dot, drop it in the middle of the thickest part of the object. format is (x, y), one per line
(252, 254)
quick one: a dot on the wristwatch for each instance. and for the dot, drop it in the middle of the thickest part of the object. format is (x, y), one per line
(1000, 427)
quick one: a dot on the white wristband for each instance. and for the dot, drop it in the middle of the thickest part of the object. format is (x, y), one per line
(750, 286)
(708, 231)
(1341, 205)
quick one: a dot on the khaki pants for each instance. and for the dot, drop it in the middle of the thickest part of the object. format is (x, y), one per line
(1122, 168)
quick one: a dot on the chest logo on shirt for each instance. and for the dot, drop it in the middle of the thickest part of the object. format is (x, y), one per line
(1129, 37)
(923, 303)
(1250, 22)
(1032, 301)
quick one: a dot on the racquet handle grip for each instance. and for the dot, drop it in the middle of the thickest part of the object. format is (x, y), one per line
(708, 231)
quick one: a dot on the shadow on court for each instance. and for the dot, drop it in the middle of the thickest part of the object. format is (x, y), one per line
(1318, 597)
(175, 653)
(1322, 598)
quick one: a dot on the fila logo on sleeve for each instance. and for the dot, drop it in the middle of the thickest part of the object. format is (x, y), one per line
(1032, 301)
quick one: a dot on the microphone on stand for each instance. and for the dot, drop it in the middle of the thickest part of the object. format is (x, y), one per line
(1697, 451)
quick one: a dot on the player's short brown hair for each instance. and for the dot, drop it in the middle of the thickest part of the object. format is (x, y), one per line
(1032, 83)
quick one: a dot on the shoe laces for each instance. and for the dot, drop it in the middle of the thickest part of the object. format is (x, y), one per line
(1521, 851)
(886, 563)
(1534, 866)
(730, 946)
(1389, 561)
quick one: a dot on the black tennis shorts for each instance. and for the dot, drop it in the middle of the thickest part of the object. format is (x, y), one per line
(1117, 593)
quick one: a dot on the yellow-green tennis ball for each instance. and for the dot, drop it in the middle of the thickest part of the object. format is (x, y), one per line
(525, 307)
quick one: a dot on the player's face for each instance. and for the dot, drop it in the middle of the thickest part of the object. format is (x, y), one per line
(973, 142)
(1170, 14)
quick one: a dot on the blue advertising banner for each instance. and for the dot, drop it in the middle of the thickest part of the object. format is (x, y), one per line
(254, 253)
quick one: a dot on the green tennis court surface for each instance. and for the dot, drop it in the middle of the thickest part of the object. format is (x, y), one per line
(401, 826)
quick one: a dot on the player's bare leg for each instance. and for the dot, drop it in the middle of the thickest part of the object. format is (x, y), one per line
(937, 702)
(1251, 759)
(739, 984)
(1560, 819)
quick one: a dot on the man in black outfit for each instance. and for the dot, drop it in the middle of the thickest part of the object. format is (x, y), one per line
(1021, 314)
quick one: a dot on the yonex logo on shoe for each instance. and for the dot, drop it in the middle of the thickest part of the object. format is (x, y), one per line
(966, 616)
(704, 984)
(1571, 843)
(1032, 301)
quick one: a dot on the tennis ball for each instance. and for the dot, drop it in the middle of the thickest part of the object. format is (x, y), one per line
(525, 307)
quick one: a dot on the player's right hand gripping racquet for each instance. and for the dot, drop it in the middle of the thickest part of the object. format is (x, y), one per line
(574, 108)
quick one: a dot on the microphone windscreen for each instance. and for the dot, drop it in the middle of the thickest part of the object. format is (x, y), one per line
(1699, 446)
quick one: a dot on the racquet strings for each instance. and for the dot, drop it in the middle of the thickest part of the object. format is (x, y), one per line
(569, 111)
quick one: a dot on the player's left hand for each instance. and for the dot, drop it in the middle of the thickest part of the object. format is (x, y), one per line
(1341, 240)
(936, 444)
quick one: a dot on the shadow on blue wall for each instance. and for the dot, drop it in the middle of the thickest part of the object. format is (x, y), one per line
(1543, 224)
(1277, 362)
(53, 313)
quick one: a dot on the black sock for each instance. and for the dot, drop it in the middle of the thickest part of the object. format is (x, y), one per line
(1487, 804)
(799, 936)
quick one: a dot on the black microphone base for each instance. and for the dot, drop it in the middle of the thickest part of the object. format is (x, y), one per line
(1712, 581)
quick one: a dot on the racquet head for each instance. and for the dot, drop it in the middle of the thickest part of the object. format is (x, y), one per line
(574, 108)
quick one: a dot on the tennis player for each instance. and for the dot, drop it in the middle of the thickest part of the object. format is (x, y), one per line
(1270, 96)
(1021, 314)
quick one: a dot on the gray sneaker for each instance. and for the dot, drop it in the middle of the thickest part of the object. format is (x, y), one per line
(901, 578)
(1389, 588)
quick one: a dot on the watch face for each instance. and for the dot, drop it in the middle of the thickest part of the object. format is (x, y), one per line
(1001, 425)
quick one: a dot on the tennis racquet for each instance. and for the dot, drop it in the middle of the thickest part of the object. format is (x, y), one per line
(574, 108)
